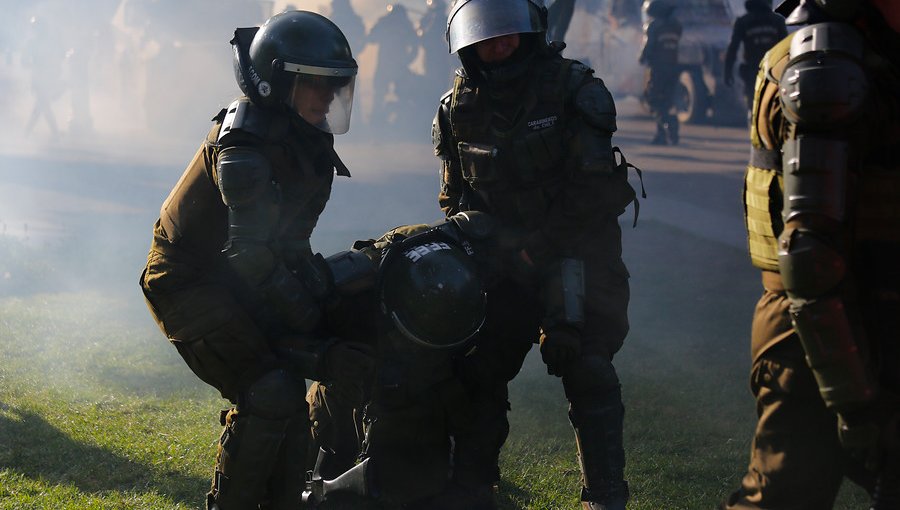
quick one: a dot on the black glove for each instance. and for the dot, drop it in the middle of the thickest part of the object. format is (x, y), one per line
(560, 347)
(354, 361)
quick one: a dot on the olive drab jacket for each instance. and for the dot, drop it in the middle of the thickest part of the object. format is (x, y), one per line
(193, 226)
(538, 156)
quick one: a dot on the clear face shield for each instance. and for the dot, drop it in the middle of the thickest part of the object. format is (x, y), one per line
(323, 96)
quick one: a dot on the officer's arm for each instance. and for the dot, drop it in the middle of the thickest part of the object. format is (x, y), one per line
(737, 35)
(596, 188)
(244, 177)
(822, 95)
(646, 44)
(451, 175)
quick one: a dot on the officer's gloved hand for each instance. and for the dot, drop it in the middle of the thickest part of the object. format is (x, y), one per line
(345, 360)
(560, 347)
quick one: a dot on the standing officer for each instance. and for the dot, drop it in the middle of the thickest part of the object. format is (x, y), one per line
(660, 54)
(526, 135)
(757, 31)
(826, 335)
(230, 277)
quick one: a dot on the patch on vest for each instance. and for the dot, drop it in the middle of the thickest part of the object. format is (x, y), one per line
(546, 122)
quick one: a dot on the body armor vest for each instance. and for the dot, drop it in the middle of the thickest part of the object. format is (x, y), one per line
(763, 184)
(195, 219)
(512, 155)
(663, 37)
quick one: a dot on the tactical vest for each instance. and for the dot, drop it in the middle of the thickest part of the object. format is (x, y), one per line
(664, 38)
(763, 183)
(515, 170)
(194, 217)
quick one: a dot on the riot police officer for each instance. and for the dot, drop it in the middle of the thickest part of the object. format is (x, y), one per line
(526, 136)
(662, 35)
(230, 277)
(418, 295)
(826, 336)
(757, 30)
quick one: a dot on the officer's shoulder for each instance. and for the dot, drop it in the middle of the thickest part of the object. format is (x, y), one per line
(244, 122)
(582, 80)
(590, 97)
(830, 37)
(776, 59)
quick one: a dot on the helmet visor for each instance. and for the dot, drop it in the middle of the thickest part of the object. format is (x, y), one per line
(323, 96)
(479, 20)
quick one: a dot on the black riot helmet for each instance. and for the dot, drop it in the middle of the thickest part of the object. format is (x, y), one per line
(431, 290)
(300, 60)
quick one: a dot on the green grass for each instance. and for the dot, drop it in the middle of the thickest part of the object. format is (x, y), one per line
(97, 410)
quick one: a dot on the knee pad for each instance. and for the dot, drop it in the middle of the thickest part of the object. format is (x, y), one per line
(275, 395)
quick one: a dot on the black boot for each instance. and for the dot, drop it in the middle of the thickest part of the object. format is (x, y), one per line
(672, 128)
(660, 137)
(598, 433)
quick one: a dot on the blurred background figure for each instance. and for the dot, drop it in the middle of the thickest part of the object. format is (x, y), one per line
(397, 48)
(344, 16)
(559, 17)
(44, 54)
(757, 31)
(439, 64)
(624, 13)
(660, 54)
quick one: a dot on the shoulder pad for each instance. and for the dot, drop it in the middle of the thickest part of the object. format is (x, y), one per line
(595, 105)
(242, 174)
(828, 38)
(824, 83)
(242, 116)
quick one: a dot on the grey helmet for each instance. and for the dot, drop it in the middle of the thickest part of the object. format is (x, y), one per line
(472, 21)
(299, 60)
(430, 288)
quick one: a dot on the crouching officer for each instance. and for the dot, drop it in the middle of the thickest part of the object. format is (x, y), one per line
(417, 294)
(526, 136)
(229, 277)
(821, 200)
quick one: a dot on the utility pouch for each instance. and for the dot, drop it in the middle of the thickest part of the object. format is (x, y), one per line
(478, 164)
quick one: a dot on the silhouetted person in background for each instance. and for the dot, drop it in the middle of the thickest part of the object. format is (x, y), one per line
(397, 48)
(439, 63)
(757, 31)
(344, 16)
(559, 17)
(660, 54)
(45, 55)
(625, 12)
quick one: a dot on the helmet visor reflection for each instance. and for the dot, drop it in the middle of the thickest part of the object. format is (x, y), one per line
(324, 100)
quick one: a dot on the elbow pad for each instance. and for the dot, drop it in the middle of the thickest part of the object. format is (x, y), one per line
(243, 175)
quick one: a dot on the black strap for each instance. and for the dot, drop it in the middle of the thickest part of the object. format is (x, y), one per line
(765, 158)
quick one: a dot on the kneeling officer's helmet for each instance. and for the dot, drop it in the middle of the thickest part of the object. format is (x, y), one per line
(431, 290)
(299, 60)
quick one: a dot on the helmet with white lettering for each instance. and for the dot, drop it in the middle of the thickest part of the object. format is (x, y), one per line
(299, 60)
(431, 290)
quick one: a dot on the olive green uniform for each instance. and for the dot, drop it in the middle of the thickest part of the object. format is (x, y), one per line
(536, 153)
(219, 282)
(797, 458)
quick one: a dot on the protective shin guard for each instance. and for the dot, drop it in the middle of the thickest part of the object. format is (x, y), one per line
(247, 454)
(598, 433)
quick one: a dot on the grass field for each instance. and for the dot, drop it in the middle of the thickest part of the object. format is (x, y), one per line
(98, 411)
